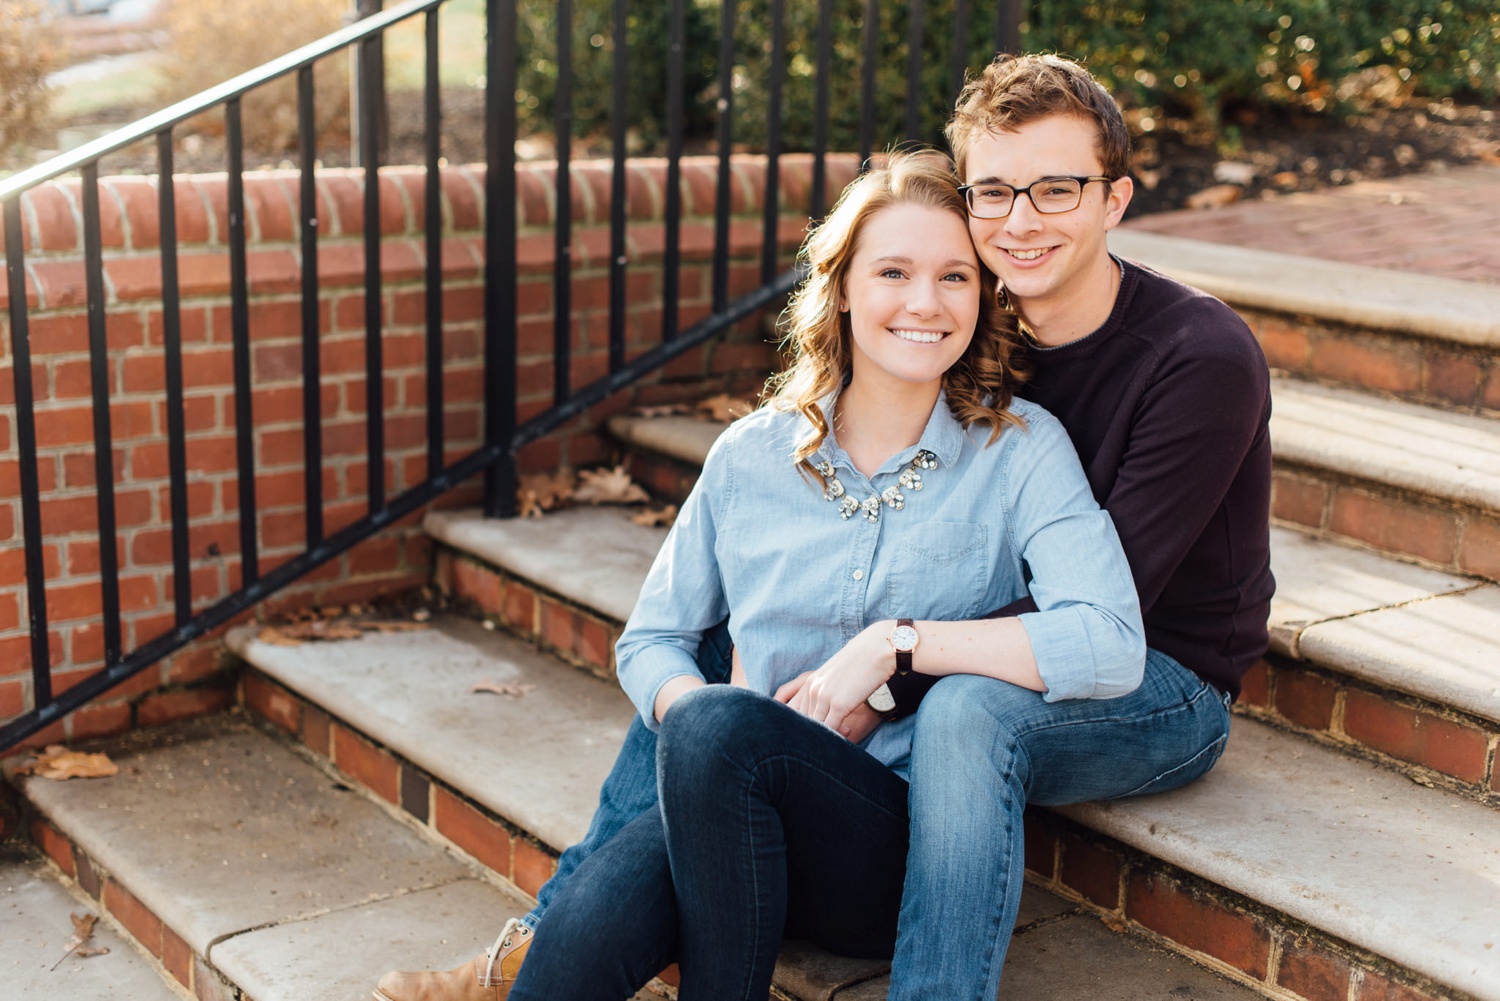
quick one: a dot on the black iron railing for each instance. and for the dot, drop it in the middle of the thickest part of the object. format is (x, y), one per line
(503, 434)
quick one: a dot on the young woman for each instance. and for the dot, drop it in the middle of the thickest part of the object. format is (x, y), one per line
(892, 491)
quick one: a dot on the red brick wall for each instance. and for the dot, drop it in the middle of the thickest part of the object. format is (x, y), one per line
(398, 557)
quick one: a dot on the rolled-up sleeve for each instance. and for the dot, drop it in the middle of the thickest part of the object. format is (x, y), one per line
(1086, 635)
(683, 594)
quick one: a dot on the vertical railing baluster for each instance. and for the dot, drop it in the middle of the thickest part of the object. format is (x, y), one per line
(820, 109)
(1008, 26)
(869, 37)
(915, 34)
(960, 47)
(239, 313)
(500, 254)
(562, 231)
(726, 144)
(371, 88)
(31, 490)
(433, 213)
(770, 240)
(312, 362)
(104, 449)
(619, 120)
(671, 282)
(171, 324)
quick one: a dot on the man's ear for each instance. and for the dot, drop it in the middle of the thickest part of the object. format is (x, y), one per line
(1120, 193)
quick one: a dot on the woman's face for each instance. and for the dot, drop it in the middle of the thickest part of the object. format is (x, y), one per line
(913, 295)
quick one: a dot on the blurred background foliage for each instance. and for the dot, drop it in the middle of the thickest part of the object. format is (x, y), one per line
(1195, 58)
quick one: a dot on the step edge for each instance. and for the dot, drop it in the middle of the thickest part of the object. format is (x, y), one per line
(1445, 309)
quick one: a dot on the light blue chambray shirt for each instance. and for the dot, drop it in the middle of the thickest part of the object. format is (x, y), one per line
(756, 541)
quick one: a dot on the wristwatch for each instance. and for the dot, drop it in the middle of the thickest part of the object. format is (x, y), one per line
(881, 700)
(903, 639)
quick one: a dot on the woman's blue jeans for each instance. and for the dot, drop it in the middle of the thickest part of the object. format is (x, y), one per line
(983, 749)
(768, 825)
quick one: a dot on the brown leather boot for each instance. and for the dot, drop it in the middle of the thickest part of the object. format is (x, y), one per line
(486, 977)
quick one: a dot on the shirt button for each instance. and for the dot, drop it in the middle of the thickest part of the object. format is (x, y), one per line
(859, 575)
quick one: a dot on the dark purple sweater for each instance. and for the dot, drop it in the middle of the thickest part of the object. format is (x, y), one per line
(1168, 404)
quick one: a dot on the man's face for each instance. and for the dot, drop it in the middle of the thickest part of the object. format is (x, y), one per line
(1052, 261)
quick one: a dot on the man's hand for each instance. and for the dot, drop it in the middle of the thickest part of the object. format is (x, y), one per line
(856, 726)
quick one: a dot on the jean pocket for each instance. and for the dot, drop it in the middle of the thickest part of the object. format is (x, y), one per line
(944, 575)
(1193, 768)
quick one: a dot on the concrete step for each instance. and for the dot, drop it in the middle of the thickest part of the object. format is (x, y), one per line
(1400, 478)
(1378, 657)
(36, 900)
(511, 781)
(1423, 338)
(1397, 477)
(250, 872)
(1348, 854)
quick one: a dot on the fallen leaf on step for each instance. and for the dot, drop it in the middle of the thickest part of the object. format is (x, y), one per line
(389, 626)
(654, 517)
(59, 763)
(1215, 197)
(83, 930)
(494, 687)
(275, 637)
(724, 408)
(608, 486)
(541, 492)
(321, 629)
(663, 410)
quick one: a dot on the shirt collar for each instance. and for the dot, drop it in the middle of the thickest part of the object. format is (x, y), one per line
(943, 436)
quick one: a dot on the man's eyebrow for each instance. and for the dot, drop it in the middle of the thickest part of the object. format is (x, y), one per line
(987, 180)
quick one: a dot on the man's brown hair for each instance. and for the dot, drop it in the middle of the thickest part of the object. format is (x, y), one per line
(1014, 91)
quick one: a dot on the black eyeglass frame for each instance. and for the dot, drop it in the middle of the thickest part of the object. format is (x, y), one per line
(1016, 193)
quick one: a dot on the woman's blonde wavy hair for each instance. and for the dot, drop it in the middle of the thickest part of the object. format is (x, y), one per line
(979, 385)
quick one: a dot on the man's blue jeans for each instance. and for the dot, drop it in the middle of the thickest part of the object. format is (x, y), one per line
(982, 750)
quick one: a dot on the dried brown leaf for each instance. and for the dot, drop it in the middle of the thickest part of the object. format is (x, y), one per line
(275, 637)
(540, 492)
(390, 626)
(85, 952)
(724, 408)
(656, 517)
(608, 486)
(494, 687)
(663, 410)
(83, 930)
(58, 763)
(1216, 196)
(322, 629)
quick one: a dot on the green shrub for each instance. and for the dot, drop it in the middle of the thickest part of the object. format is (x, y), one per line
(1197, 56)
(28, 53)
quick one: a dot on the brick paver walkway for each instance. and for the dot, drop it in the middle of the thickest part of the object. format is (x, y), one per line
(1439, 223)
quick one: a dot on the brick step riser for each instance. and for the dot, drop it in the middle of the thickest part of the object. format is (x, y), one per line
(1210, 924)
(1437, 373)
(1432, 744)
(1402, 523)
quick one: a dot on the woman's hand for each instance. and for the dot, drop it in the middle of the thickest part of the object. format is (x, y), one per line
(838, 689)
(856, 726)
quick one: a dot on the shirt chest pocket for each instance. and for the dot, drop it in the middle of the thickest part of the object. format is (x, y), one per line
(943, 575)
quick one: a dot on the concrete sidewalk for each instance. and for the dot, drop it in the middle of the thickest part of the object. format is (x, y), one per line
(1444, 223)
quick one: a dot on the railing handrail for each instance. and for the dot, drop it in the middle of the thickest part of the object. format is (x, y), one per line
(210, 99)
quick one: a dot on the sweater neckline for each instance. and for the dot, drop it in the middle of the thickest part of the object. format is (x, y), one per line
(1112, 323)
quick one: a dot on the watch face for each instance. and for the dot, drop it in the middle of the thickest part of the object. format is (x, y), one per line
(904, 638)
(881, 700)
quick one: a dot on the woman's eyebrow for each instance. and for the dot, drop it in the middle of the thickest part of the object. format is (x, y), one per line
(896, 259)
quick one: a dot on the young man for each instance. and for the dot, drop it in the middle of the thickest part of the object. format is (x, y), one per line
(1166, 397)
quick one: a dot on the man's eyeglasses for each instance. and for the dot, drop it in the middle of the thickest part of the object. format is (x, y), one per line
(1050, 196)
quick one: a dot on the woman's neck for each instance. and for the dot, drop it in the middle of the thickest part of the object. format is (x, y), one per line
(872, 425)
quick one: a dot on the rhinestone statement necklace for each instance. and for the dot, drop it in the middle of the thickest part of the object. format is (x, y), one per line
(892, 497)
